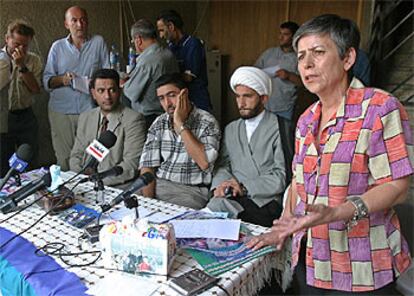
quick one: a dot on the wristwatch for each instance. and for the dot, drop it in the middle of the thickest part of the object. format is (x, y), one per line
(182, 128)
(23, 69)
(361, 210)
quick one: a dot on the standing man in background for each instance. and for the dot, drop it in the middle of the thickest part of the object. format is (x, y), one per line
(71, 62)
(153, 62)
(281, 65)
(20, 75)
(190, 54)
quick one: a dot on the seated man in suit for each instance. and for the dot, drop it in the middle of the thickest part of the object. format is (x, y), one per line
(249, 176)
(125, 123)
(181, 147)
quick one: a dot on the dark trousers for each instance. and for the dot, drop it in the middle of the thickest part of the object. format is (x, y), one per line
(23, 128)
(301, 288)
(263, 216)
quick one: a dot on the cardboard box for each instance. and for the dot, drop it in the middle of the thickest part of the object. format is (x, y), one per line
(138, 247)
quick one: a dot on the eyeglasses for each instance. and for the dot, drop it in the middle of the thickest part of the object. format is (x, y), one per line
(133, 39)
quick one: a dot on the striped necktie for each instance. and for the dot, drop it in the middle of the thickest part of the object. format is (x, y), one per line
(104, 124)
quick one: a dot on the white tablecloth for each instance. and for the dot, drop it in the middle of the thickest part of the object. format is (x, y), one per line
(247, 279)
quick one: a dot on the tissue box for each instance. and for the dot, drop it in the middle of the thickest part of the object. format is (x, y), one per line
(138, 247)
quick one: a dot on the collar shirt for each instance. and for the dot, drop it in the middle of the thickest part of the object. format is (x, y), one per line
(165, 150)
(113, 119)
(252, 124)
(367, 143)
(191, 57)
(14, 94)
(64, 57)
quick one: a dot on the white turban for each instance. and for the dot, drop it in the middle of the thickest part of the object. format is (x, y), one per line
(252, 77)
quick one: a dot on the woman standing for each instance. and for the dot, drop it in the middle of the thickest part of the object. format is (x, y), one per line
(353, 158)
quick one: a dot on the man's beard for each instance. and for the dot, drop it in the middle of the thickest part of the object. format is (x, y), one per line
(256, 110)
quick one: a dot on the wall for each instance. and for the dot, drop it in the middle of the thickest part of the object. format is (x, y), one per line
(47, 17)
(242, 30)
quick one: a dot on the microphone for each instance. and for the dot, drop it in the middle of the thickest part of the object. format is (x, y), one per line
(115, 171)
(10, 202)
(142, 181)
(99, 149)
(18, 162)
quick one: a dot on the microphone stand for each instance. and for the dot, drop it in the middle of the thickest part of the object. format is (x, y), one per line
(91, 233)
(18, 179)
(132, 203)
(100, 191)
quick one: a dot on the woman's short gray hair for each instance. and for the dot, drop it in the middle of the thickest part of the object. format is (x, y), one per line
(144, 28)
(344, 32)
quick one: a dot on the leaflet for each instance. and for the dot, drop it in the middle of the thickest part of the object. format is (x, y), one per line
(207, 228)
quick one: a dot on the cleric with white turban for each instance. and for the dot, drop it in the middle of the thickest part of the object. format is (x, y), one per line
(249, 178)
(252, 77)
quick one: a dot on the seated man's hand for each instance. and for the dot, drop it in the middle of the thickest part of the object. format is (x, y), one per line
(236, 187)
(182, 109)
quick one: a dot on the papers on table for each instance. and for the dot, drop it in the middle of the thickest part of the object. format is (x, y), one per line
(184, 228)
(222, 215)
(81, 83)
(272, 70)
(207, 228)
(159, 217)
(129, 285)
(119, 214)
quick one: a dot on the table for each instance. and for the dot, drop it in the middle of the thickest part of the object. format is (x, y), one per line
(247, 279)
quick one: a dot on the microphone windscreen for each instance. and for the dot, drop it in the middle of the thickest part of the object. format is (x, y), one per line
(47, 179)
(107, 138)
(24, 152)
(147, 177)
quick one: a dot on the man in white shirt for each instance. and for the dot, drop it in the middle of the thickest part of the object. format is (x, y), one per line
(71, 60)
(249, 176)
